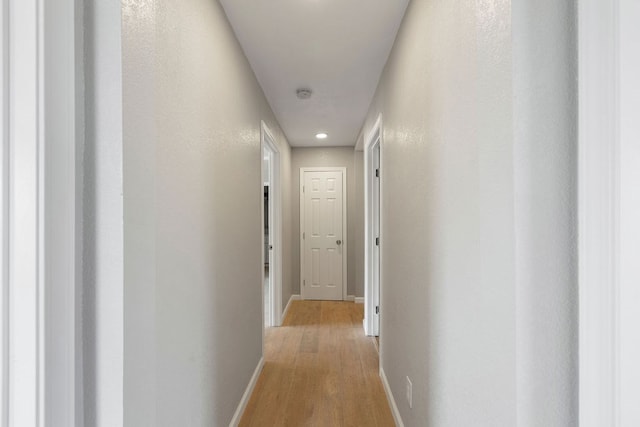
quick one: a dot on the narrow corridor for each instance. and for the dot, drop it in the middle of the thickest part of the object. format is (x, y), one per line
(320, 370)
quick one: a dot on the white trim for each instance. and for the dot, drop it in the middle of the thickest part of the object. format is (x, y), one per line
(343, 170)
(350, 298)
(598, 201)
(629, 220)
(286, 309)
(23, 214)
(609, 208)
(41, 74)
(275, 297)
(372, 288)
(237, 416)
(359, 300)
(4, 214)
(392, 402)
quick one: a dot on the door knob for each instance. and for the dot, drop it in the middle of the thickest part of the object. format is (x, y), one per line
(339, 242)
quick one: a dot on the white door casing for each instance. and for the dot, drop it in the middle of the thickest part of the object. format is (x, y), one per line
(275, 225)
(608, 212)
(373, 231)
(375, 241)
(323, 233)
(41, 126)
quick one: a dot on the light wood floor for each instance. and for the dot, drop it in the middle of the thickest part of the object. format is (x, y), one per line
(320, 370)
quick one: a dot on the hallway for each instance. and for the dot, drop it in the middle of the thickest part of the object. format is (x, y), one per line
(506, 238)
(320, 370)
(135, 211)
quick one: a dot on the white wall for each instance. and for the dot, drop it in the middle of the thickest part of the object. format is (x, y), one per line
(192, 214)
(464, 267)
(339, 157)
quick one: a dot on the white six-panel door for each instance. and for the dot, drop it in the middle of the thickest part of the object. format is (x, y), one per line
(323, 235)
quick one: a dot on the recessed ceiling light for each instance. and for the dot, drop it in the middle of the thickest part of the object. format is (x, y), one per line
(322, 135)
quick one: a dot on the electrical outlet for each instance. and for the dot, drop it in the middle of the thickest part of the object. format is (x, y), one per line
(409, 393)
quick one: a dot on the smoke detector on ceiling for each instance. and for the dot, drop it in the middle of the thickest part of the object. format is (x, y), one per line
(303, 93)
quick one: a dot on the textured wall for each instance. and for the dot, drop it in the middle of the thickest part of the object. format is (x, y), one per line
(447, 302)
(192, 214)
(339, 157)
(478, 293)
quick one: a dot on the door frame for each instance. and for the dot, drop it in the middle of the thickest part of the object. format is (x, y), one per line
(372, 288)
(608, 212)
(343, 171)
(41, 126)
(267, 143)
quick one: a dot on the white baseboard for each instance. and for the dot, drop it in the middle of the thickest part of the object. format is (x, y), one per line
(359, 300)
(350, 298)
(392, 402)
(286, 309)
(247, 395)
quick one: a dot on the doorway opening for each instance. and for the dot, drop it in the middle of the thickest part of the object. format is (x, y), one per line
(272, 234)
(372, 218)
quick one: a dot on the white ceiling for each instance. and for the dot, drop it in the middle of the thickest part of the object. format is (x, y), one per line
(337, 48)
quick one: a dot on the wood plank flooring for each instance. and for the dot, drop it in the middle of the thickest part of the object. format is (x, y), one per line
(320, 370)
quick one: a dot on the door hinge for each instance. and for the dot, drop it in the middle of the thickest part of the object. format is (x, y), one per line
(303, 235)
(304, 283)
(377, 241)
(303, 188)
(377, 173)
(377, 309)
